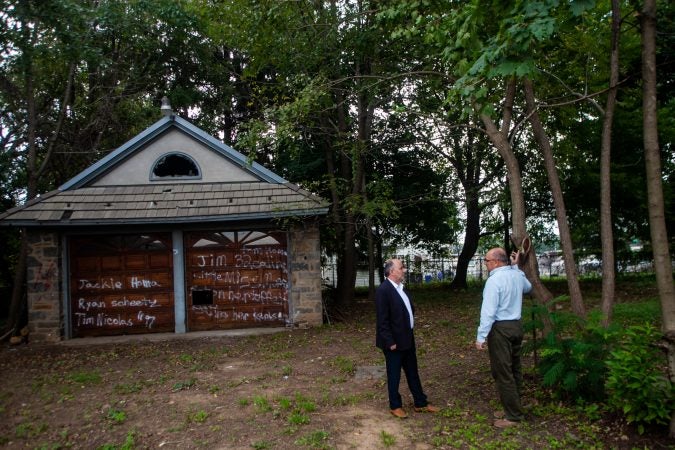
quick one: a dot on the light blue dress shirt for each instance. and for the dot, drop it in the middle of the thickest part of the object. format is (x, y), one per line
(502, 298)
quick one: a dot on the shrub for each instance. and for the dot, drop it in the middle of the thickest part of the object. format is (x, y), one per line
(573, 357)
(637, 385)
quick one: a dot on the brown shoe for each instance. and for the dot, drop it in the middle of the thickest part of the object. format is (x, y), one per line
(504, 423)
(428, 408)
(399, 412)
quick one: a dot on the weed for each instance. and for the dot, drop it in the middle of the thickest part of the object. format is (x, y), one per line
(285, 403)
(315, 440)
(298, 418)
(344, 400)
(199, 417)
(182, 385)
(574, 366)
(85, 378)
(185, 358)
(29, 430)
(285, 355)
(262, 404)
(129, 443)
(637, 382)
(388, 440)
(128, 388)
(243, 402)
(304, 404)
(214, 389)
(65, 395)
(116, 416)
(287, 371)
(262, 445)
(345, 365)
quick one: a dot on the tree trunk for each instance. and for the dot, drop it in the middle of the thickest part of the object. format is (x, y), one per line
(500, 140)
(606, 227)
(657, 223)
(576, 299)
(18, 298)
(371, 261)
(471, 238)
(346, 262)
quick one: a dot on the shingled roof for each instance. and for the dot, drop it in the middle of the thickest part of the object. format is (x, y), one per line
(168, 203)
(81, 202)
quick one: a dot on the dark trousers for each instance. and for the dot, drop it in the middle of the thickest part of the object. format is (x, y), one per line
(406, 360)
(504, 344)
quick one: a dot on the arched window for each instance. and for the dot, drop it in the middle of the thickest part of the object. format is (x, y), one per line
(175, 165)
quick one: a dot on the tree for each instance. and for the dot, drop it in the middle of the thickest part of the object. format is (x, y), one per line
(77, 79)
(336, 74)
(544, 143)
(481, 54)
(606, 231)
(657, 224)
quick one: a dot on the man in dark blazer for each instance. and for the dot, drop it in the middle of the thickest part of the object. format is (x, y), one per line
(395, 336)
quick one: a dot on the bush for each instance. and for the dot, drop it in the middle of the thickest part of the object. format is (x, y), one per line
(637, 385)
(573, 358)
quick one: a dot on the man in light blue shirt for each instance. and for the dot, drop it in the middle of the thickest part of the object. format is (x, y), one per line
(500, 325)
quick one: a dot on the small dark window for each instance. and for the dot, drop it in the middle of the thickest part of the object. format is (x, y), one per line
(202, 297)
(175, 165)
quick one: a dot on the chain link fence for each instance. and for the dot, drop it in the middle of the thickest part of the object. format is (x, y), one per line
(551, 264)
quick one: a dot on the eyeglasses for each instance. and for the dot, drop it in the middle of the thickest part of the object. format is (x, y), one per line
(487, 260)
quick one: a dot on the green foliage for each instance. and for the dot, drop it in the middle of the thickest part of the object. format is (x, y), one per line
(572, 357)
(637, 384)
(29, 429)
(316, 440)
(261, 403)
(199, 416)
(388, 440)
(298, 418)
(116, 415)
(345, 365)
(262, 445)
(129, 443)
(304, 404)
(183, 385)
(85, 378)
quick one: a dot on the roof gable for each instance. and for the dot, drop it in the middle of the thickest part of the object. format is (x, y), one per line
(131, 163)
(120, 189)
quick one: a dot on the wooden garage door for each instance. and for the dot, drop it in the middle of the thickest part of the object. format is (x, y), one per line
(121, 284)
(236, 279)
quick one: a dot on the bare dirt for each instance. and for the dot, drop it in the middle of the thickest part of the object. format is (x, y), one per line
(300, 388)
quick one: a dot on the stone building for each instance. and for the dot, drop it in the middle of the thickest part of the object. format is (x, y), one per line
(174, 231)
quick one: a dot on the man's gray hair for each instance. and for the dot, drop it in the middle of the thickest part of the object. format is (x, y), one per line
(388, 265)
(501, 256)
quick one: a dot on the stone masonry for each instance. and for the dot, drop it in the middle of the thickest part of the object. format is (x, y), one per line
(306, 308)
(43, 287)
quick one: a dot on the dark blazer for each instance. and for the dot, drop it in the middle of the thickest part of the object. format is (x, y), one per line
(393, 321)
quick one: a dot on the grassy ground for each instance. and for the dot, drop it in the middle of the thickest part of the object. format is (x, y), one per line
(314, 388)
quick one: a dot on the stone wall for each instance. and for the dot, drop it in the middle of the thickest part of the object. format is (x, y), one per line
(43, 287)
(306, 308)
